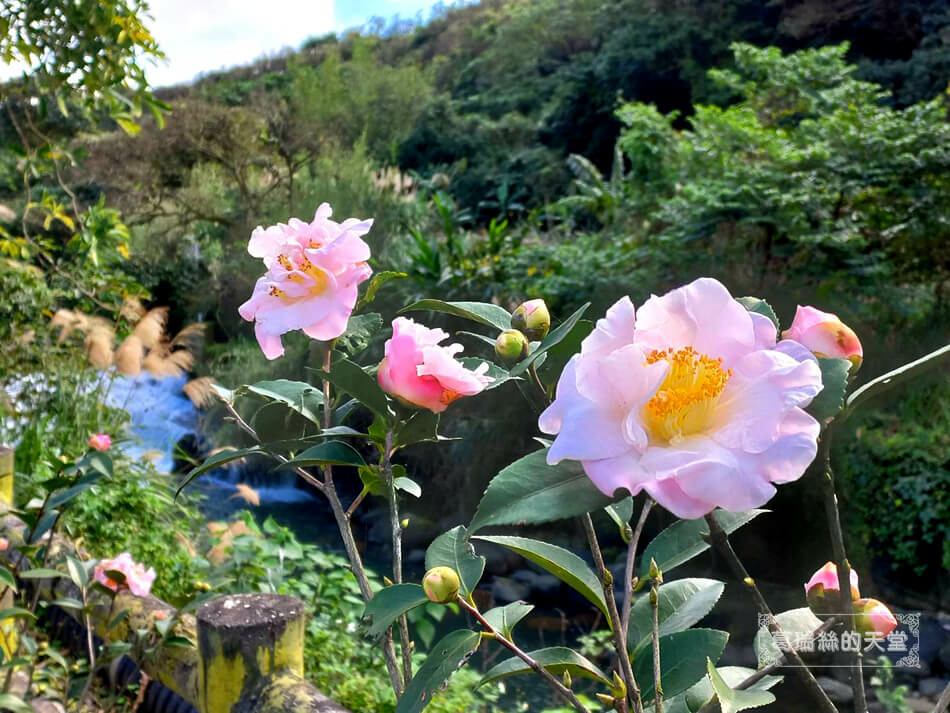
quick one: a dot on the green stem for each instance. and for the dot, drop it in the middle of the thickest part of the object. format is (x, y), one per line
(633, 541)
(657, 682)
(396, 528)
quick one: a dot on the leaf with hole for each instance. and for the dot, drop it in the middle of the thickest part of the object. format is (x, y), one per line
(446, 657)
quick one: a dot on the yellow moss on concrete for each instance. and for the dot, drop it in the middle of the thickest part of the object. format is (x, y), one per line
(221, 681)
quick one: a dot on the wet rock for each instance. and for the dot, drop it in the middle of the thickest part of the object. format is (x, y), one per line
(932, 687)
(837, 691)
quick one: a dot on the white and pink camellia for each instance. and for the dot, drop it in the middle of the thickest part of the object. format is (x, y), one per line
(825, 335)
(138, 580)
(418, 371)
(313, 272)
(100, 441)
(690, 399)
(825, 580)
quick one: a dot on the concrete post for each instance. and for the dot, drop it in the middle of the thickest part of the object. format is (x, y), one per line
(244, 640)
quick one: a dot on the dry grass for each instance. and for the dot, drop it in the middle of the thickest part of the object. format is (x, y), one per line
(129, 356)
(132, 309)
(151, 328)
(200, 392)
(99, 344)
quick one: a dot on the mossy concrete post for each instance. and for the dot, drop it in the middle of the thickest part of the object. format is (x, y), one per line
(244, 640)
(8, 630)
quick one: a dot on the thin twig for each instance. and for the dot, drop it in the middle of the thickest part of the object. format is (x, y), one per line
(562, 690)
(721, 541)
(841, 562)
(657, 678)
(396, 528)
(356, 503)
(620, 642)
(634, 541)
(943, 703)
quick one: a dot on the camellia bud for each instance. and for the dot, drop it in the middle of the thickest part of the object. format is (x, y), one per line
(532, 319)
(441, 585)
(825, 335)
(511, 347)
(822, 590)
(870, 615)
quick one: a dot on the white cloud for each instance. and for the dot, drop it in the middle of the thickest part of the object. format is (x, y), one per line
(206, 35)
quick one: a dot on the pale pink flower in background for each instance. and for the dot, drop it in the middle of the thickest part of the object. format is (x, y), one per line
(417, 370)
(100, 441)
(313, 272)
(691, 399)
(4, 544)
(825, 335)
(872, 615)
(138, 580)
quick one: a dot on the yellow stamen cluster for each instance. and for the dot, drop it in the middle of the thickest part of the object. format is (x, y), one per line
(684, 402)
(307, 268)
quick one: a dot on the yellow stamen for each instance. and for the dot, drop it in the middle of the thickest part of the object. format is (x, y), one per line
(683, 404)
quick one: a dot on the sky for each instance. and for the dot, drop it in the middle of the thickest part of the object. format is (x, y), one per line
(206, 35)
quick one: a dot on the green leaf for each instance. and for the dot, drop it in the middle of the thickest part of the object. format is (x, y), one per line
(682, 660)
(701, 693)
(759, 306)
(561, 353)
(530, 491)
(422, 426)
(216, 461)
(304, 398)
(896, 377)
(556, 659)
(67, 603)
(41, 573)
(732, 701)
(10, 702)
(685, 539)
(834, 385)
(445, 658)
(97, 461)
(16, 613)
(504, 619)
(482, 312)
(328, 453)
(82, 485)
(389, 603)
(621, 513)
(378, 280)
(680, 604)
(453, 549)
(498, 374)
(6, 579)
(359, 332)
(77, 572)
(555, 336)
(408, 485)
(45, 524)
(794, 623)
(563, 564)
(353, 380)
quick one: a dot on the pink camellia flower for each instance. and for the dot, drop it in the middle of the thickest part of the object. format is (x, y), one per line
(138, 580)
(100, 441)
(825, 335)
(691, 399)
(822, 590)
(871, 615)
(4, 544)
(418, 371)
(313, 272)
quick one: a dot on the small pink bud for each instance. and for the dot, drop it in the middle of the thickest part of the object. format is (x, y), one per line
(532, 319)
(871, 615)
(160, 615)
(825, 335)
(441, 584)
(100, 441)
(4, 544)
(822, 590)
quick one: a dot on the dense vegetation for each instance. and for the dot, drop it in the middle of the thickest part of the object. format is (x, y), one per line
(569, 149)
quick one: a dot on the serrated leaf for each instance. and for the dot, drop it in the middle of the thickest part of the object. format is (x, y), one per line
(529, 491)
(682, 660)
(554, 337)
(562, 563)
(759, 306)
(732, 701)
(556, 659)
(378, 280)
(422, 426)
(445, 658)
(490, 315)
(793, 623)
(359, 332)
(701, 693)
(680, 604)
(389, 603)
(216, 461)
(453, 549)
(504, 619)
(834, 386)
(328, 453)
(306, 399)
(685, 539)
(353, 380)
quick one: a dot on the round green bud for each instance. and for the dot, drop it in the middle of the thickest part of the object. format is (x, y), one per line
(441, 585)
(532, 319)
(511, 347)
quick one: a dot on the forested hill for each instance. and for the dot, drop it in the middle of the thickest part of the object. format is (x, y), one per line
(511, 87)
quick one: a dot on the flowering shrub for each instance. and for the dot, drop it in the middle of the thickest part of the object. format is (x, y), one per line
(690, 402)
(100, 441)
(134, 576)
